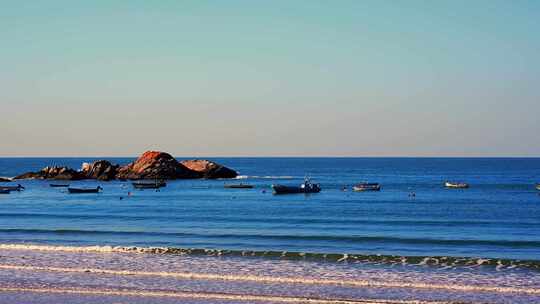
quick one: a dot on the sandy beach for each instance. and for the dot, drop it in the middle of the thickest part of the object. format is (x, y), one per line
(45, 274)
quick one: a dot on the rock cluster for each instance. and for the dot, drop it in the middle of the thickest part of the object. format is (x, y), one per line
(150, 165)
(100, 170)
(62, 173)
(209, 169)
(155, 164)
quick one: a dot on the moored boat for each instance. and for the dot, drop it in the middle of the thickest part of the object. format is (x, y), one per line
(85, 190)
(305, 187)
(19, 187)
(367, 187)
(454, 185)
(538, 186)
(4, 191)
(238, 186)
(150, 185)
(59, 185)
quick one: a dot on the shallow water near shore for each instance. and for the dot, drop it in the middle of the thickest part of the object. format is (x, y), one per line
(487, 236)
(106, 271)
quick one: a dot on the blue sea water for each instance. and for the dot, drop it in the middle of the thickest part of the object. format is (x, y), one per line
(498, 217)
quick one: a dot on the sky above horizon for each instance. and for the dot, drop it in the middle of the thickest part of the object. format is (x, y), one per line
(270, 78)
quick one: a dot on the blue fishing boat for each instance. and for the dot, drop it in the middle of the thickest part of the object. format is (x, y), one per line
(149, 185)
(238, 186)
(59, 185)
(85, 190)
(306, 187)
(19, 187)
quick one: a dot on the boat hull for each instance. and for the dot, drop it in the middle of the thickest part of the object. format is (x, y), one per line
(456, 185)
(149, 185)
(4, 191)
(12, 188)
(80, 191)
(281, 189)
(241, 186)
(367, 188)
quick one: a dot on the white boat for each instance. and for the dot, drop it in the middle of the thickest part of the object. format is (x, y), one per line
(367, 187)
(456, 185)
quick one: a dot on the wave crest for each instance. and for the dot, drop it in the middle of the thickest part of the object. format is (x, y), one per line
(438, 261)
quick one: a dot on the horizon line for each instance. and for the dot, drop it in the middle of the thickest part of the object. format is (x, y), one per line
(284, 156)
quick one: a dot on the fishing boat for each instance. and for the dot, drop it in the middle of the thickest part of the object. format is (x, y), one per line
(85, 190)
(149, 185)
(19, 187)
(367, 187)
(4, 191)
(454, 185)
(59, 185)
(306, 187)
(238, 186)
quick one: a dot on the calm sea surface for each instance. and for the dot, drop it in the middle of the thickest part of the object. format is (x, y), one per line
(478, 245)
(498, 217)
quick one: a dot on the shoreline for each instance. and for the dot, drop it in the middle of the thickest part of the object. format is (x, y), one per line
(160, 278)
(160, 297)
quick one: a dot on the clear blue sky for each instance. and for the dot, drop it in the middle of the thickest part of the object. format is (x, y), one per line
(258, 78)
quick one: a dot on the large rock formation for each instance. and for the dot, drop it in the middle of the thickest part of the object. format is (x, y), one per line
(100, 170)
(155, 165)
(63, 173)
(209, 169)
(150, 165)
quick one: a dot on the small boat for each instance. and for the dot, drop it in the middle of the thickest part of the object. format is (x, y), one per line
(59, 185)
(4, 191)
(538, 186)
(238, 186)
(367, 187)
(305, 187)
(453, 185)
(85, 190)
(149, 185)
(19, 187)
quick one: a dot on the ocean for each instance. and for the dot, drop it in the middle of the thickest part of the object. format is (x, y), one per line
(487, 236)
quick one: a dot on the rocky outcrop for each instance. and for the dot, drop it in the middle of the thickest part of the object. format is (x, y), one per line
(62, 173)
(150, 165)
(100, 170)
(155, 165)
(209, 169)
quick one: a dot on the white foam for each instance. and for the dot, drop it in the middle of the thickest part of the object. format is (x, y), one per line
(283, 280)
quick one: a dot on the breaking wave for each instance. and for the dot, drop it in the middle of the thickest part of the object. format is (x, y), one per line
(436, 261)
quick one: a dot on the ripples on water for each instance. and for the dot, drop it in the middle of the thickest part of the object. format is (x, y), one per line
(488, 235)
